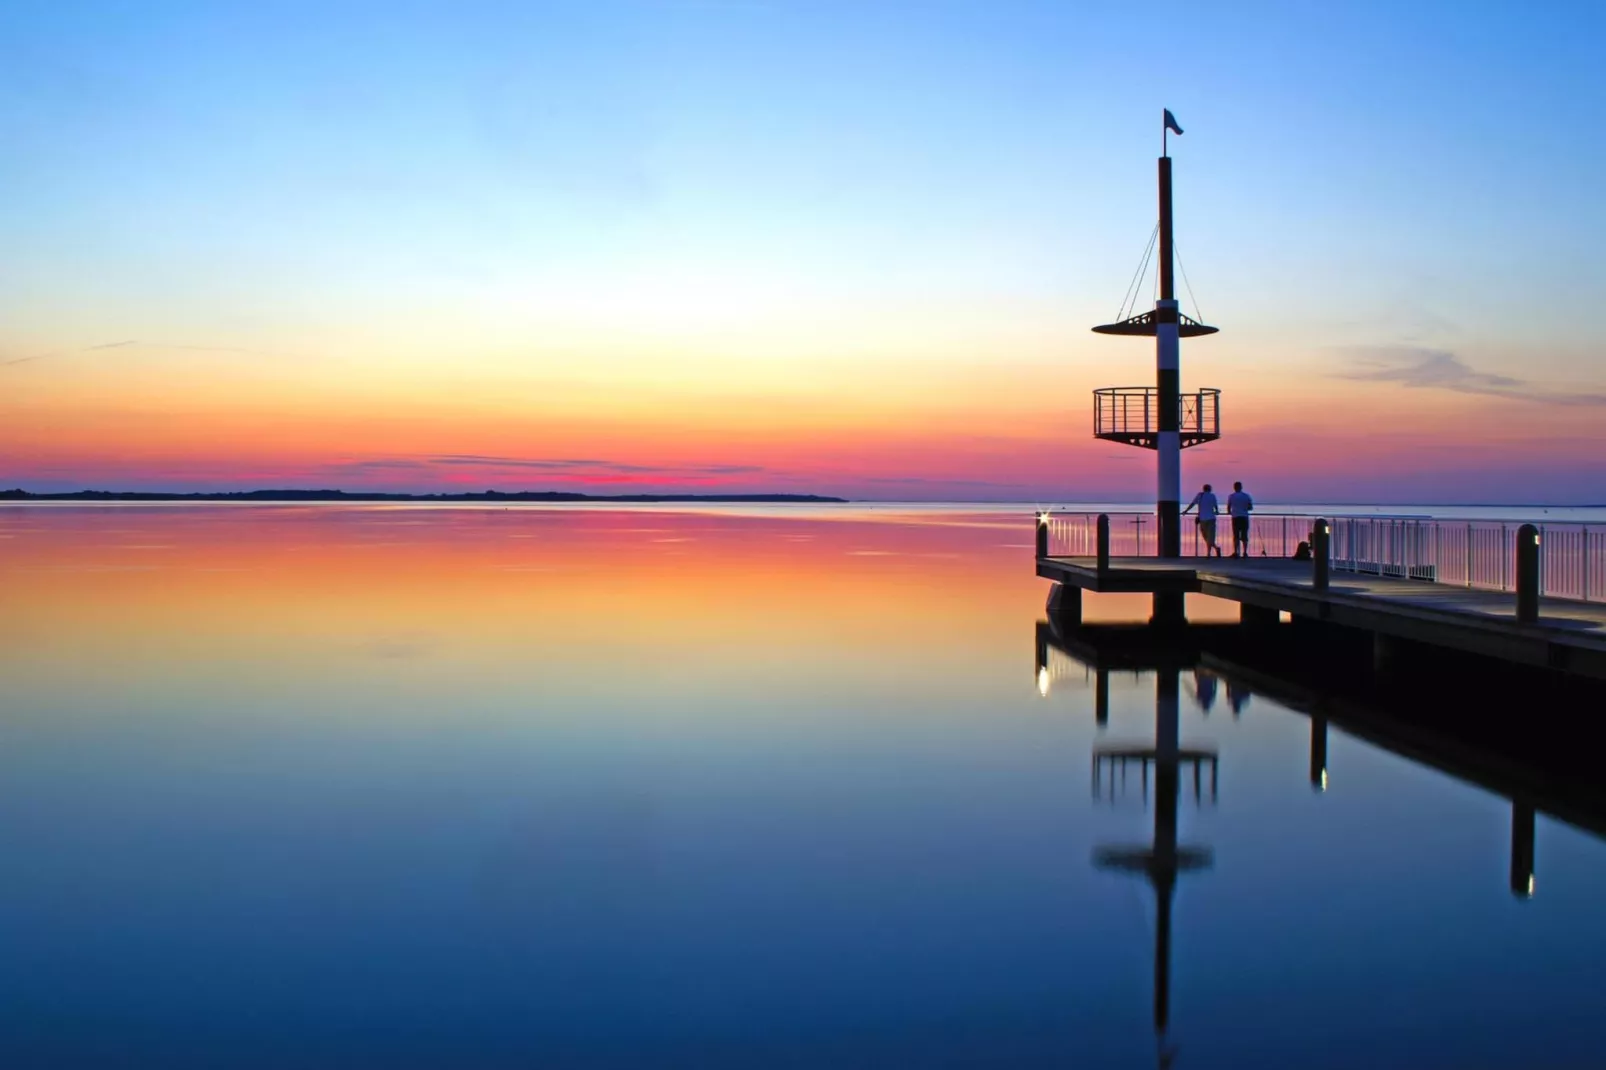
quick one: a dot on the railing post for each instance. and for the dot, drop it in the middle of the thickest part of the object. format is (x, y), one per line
(1527, 574)
(1505, 563)
(1542, 561)
(1104, 542)
(1321, 543)
(1042, 535)
(1584, 581)
(1469, 555)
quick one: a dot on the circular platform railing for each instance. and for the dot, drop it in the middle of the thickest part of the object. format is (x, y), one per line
(1131, 414)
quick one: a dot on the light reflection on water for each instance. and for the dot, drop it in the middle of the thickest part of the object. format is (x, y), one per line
(314, 786)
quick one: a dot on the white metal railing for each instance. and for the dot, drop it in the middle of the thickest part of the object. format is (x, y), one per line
(1402, 547)
(1479, 554)
(1476, 553)
(1133, 534)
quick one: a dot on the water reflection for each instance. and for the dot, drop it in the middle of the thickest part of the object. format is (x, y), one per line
(1318, 752)
(496, 788)
(1163, 859)
(1209, 652)
(1233, 656)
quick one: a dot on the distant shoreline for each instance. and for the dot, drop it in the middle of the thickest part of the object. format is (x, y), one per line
(18, 495)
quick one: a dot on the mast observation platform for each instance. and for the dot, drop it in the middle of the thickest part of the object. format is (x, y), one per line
(1130, 415)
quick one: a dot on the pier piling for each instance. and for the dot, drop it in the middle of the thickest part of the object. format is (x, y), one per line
(1527, 574)
(1522, 850)
(1169, 609)
(1065, 606)
(1321, 546)
(1257, 616)
(1318, 752)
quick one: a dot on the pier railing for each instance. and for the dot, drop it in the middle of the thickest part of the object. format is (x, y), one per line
(1133, 534)
(1479, 554)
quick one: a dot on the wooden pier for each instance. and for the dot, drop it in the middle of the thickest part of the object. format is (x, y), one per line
(1567, 636)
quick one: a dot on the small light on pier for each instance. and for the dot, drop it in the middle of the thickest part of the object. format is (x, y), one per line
(1042, 681)
(1042, 520)
(1530, 886)
(1323, 785)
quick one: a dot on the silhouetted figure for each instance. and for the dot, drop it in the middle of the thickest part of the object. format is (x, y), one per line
(1205, 502)
(1239, 506)
(1302, 552)
(1237, 696)
(1204, 689)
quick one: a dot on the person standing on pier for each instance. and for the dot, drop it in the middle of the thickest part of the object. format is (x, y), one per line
(1208, 508)
(1239, 506)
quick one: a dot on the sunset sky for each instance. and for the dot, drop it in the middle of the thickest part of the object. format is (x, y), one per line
(839, 247)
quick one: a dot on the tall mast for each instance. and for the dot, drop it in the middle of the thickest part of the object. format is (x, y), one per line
(1168, 380)
(1159, 418)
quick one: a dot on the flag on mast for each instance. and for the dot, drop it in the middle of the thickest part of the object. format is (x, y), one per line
(1171, 122)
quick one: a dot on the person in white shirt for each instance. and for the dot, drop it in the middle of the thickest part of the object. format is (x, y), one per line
(1239, 506)
(1208, 507)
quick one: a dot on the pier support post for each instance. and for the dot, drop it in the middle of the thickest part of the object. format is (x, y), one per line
(1042, 535)
(1169, 610)
(1102, 548)
(1040, 663)
(1318, 753)
(1257, 616)
(1387, 652)
(1321, 549)
(1522, 850)
(1527, 574)
(1065, 606)
(1101, 697)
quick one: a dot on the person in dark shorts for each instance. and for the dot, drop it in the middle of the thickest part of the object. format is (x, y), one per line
(1208, 507)
(1239, 506)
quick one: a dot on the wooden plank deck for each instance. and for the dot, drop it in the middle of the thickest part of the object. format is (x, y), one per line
(1569, 636)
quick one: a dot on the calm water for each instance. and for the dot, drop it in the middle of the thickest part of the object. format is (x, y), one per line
(402, 787)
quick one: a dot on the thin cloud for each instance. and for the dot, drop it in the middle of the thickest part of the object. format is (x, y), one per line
(569, 464)
(1440, 369)
(379, 465)
(477, 461)
(134, 342)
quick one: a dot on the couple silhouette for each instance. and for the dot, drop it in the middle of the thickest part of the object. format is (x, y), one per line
(1239, 506)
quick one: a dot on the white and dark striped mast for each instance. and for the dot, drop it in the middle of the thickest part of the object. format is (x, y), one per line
(1163, 419)
(1167, 356)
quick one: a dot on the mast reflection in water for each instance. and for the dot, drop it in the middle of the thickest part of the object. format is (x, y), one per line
(1161, 653)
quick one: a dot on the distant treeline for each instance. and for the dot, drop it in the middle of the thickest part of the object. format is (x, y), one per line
(15, 495)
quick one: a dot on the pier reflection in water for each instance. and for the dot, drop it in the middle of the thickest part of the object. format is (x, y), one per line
(1209, 653)
(418, 788)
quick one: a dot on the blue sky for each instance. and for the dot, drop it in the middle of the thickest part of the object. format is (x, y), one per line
(414, 184)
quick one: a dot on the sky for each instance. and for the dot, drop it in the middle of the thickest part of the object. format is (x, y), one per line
(811, 246)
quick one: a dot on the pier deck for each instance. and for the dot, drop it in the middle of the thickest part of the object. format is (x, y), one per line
(1569, 636)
